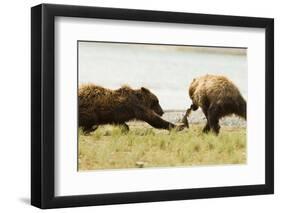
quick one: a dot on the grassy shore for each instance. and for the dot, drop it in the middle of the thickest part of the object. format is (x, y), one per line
(111, 147)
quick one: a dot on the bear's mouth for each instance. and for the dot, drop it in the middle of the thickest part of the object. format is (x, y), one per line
(160, 112)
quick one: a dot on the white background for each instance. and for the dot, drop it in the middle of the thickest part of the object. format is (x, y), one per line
(70, 182)
(15, 106)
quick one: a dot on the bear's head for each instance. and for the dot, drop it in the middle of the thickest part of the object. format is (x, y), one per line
(150, 100)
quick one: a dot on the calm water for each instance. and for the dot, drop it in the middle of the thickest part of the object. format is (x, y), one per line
(197, 117)
(166, 70)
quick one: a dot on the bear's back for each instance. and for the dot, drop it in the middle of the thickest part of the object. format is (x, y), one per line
(215, 89)
(101, 98)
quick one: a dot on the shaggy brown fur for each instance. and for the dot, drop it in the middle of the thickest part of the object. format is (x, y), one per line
(218, 97)
(98, 105)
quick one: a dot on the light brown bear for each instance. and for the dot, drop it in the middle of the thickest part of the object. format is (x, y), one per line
(218, 97)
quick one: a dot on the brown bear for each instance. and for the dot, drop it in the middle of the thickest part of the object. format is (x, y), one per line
(98, 105)
(218, 97)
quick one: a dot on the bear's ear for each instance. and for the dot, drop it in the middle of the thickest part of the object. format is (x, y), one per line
(143, 89)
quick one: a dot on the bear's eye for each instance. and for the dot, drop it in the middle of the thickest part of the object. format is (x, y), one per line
(154, 103)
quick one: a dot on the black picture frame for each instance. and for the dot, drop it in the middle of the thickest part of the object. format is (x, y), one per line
(43, 117)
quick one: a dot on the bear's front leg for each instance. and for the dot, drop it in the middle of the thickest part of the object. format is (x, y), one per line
(206, 128)
(154, 120)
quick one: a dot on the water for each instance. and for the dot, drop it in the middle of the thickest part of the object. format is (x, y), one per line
(197, 117)
(166, 70)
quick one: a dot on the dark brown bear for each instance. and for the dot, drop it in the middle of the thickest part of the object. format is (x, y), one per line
(218, 97)
(98, 105)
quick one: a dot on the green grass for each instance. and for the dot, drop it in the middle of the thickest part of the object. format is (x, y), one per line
(111, 147)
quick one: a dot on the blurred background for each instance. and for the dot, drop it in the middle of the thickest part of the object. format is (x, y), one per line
(167, 70)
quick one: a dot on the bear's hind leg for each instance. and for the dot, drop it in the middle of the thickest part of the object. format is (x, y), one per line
(88, 129)
(95, 127)
(213, 119)
(125, 127)
(88, 123)
(206, 128)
